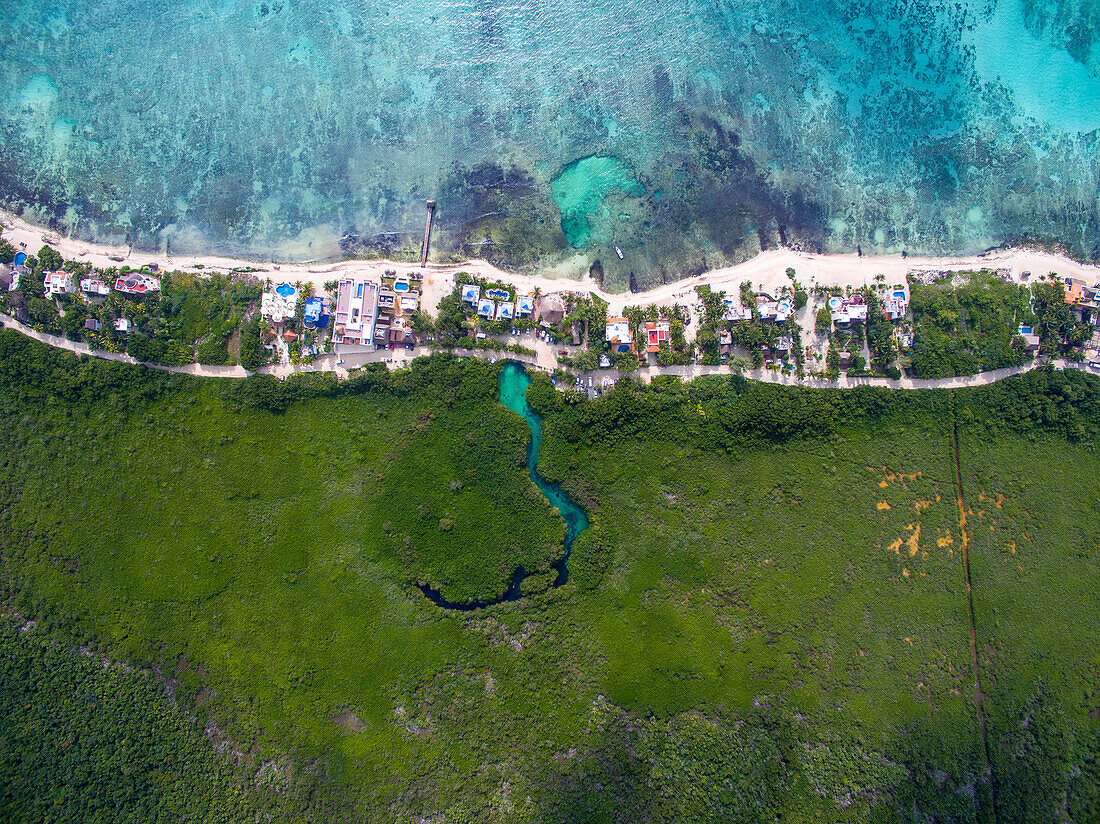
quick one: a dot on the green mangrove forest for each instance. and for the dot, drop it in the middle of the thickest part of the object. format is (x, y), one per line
(782, 603)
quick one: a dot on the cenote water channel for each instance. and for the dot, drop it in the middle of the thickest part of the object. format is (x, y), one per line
(513, 395)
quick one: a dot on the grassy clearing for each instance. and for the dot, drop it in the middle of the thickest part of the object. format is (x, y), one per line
(770, 627)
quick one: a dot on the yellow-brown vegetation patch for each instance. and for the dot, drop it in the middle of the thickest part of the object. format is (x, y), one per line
(914, 540)
(946, 540)
(901, 477)
(1000, 499)
(881, 505)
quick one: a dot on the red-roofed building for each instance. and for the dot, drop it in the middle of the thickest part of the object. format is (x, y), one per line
(136, 283)
(656, 333)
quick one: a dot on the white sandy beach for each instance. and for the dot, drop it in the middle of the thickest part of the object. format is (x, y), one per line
(766, 271)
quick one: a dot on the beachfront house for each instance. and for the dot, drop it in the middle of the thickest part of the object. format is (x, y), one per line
(772, 310)
(1074, 292)
(57, 283)
(471, 293)
(386, 299)
(656, 333)
(897, 304)
(846, 310)
(315, 313)
(506, 311)
(735, 311)
(617, 334)
(525, 306)
(356, 312)
(1084, 301)
(486, 309)
(136, 283)
(94, 287)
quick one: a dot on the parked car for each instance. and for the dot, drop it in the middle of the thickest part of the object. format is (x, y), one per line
(562, 352)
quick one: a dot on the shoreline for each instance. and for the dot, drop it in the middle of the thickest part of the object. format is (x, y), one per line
(766, 271)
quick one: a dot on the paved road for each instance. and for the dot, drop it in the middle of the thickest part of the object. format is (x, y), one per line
(545, 359)
(846, 382)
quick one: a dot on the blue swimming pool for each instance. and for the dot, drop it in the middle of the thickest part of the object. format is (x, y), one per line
(400, 286)
(285, 290)
(20, 258)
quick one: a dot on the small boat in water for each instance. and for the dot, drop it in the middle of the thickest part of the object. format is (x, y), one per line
(619, 252)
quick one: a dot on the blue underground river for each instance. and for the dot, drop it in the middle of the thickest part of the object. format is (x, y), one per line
(513, 395)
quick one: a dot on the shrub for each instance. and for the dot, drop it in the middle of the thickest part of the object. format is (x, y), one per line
(252, 354)
(49, 259)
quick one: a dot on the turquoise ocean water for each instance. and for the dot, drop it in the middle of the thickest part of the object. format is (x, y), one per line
(688, 133)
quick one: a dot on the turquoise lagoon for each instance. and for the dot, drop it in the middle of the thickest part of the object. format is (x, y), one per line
(689, 134)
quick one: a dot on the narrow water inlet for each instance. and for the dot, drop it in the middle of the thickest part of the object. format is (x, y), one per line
(513, 395)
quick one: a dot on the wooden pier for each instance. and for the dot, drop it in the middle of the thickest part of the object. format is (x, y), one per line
(427, 233)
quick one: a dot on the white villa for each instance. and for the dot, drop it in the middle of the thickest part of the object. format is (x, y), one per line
(356, 312)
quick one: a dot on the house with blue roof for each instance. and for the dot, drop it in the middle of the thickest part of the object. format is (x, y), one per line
(314, 315)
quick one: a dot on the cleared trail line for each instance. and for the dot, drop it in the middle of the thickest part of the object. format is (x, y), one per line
(979, 696)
